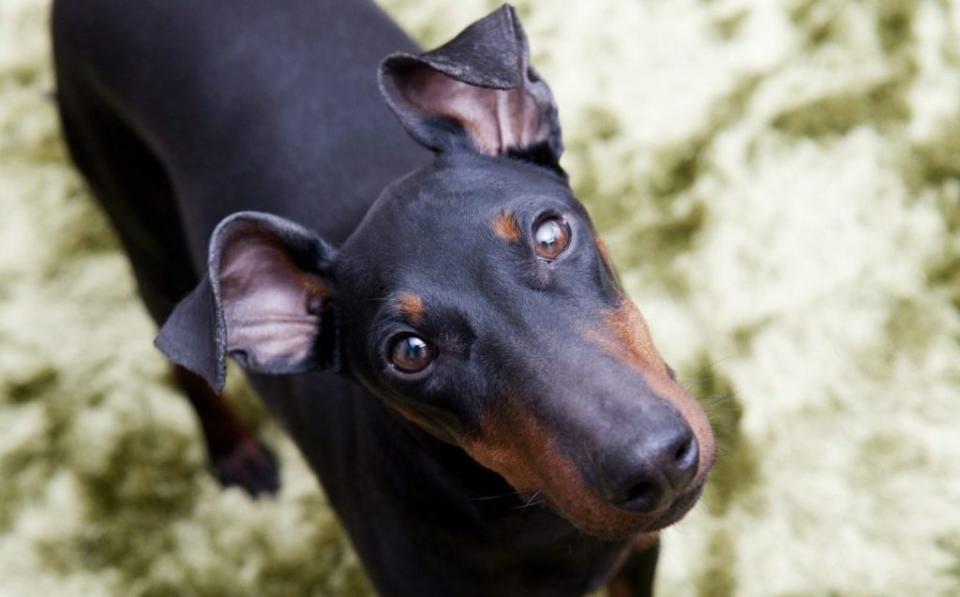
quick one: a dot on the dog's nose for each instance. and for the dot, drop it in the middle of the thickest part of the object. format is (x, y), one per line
(652, 472)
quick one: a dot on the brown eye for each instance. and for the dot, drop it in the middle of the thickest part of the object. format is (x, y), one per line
(551, 236)
(411, 354)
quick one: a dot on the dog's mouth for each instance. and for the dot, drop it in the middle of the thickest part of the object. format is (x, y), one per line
(678, 509)
(596, 517)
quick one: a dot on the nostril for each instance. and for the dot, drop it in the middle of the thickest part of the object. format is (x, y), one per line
(643, 496)
(651, 472)
(682, 452)
(642, 491)
(686, 460)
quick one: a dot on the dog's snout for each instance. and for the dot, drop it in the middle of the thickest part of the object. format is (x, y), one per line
(650, 473)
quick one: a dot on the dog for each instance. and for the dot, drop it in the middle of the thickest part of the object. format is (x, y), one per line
(429, 314)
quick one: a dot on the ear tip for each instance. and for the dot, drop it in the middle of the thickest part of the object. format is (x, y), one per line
(182, 339)
(393, 62)
(510, 10)
(497, 41)
(215, 379)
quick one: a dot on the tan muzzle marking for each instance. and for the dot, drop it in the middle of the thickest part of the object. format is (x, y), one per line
(516, 445)
(628, 340)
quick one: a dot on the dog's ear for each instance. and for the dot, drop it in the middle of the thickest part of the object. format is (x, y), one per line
(266, 301)
(477, 91)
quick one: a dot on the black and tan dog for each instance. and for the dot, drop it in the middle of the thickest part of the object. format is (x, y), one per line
(442, 335)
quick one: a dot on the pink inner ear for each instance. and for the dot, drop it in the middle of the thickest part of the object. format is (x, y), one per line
(498, 120)
(271, 307)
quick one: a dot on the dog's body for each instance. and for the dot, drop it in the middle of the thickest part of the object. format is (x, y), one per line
(182, 113)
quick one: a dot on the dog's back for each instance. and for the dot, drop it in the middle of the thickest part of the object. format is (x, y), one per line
(228, 106)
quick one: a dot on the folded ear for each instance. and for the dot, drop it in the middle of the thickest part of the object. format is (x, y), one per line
(265, 301)
(477, 91)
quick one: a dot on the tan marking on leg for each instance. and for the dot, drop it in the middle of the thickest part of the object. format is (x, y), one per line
(505, 226)
(410, 306)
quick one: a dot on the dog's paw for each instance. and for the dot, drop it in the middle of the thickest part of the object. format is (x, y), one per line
(251, 465)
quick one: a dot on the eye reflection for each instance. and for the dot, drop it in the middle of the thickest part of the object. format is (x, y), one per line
(551, 237)
(411, 354)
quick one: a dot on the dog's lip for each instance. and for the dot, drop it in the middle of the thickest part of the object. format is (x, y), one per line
(679, 508)
(669, 515)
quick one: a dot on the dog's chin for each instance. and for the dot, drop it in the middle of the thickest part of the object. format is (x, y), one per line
(613, 524)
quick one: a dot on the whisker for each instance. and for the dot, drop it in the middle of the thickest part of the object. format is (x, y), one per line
(533, 504)
(530, 502)
(494, 497)
(718, 403)
(689, 380)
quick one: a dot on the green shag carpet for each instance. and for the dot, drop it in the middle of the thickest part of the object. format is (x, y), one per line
(779, 183)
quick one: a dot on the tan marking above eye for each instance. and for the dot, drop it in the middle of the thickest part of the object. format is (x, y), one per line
(410, 306)
(506, 227)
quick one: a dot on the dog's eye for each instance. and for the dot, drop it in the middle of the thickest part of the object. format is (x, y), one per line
(411, 354)
(551, 235)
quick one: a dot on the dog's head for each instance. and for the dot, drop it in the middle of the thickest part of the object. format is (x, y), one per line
(475, 299)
